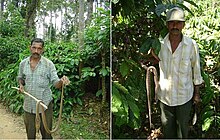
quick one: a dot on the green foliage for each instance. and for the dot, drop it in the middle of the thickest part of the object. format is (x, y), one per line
(123, 106)
(65, 55)
(204, 28)
(7, 80)
(9, 50)
(11, 22)
(97, 41)
(11, 32)
(137, 27)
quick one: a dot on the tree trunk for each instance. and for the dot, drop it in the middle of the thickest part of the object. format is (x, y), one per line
(89, 11)
(103, 79)
(51, 26)
(30, 16)
(81, 31)
(2, 8)
(81, 24)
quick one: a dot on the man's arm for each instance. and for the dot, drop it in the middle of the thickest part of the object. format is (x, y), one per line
(197, 78)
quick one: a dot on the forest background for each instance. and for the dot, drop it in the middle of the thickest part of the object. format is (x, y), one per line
(138, 26)
(77, 40)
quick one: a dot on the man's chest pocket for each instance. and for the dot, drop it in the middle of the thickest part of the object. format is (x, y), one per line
(184, 66)
(42, 80)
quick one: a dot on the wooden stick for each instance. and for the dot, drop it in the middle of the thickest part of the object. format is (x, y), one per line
(32, 97)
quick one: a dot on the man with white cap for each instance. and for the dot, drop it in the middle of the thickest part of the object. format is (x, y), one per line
(180, 77)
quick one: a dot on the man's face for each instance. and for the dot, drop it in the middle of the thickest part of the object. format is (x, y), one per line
(175, 27)
(36, 50)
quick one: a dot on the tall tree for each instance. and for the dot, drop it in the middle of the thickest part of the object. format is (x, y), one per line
(32, 6)
(81, 31)
(89, 11)
(81, 24)
(2, 8)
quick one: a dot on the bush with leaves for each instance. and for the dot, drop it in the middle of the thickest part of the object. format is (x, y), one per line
(66, 57)
(204, 28)
(12, 41)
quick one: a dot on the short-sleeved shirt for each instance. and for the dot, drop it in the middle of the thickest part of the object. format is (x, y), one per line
(179, 71)
(37, 82)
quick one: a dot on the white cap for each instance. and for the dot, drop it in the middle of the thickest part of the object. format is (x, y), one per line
(176, 14)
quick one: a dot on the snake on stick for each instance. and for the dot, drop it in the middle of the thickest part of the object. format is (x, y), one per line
(39, 104)
(149, 70)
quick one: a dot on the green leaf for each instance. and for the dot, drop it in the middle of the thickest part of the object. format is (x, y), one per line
(156, 45)
(207, 123)
(116, 100)
(192, 3)
(184, 7)
(124, 69)
(98, 93)
(134, 108)
(103, 72)
(207, 114)
(219, 72)
(79, 101)
(160, 9)
(145, 47)
(120, 87)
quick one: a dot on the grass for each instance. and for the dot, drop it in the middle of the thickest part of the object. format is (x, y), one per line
(87, 122)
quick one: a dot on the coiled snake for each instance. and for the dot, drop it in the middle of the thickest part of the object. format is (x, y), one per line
(149, 70)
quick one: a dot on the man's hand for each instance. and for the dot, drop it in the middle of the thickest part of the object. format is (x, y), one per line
(21, 88)
(196, 99)
(21, 85)
(65, 80)
(196, 96)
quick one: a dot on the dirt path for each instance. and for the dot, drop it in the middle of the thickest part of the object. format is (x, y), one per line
(12, 125)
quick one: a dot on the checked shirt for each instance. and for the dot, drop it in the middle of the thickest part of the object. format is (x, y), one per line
(37, 82)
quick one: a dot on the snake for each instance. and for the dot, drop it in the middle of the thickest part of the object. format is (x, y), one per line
(149, 70)
(37, 119)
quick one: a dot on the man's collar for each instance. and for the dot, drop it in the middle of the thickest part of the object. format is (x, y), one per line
(184, 39)
(29, 58)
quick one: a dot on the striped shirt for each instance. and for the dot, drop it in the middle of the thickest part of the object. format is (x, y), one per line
(37, 82)
(179, 71)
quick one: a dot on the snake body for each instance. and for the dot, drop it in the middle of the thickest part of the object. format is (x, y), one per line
(149, 70)
(39, 104)
(37, 119)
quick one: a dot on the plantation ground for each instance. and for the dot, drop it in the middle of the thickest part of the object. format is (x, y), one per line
(11, 126)
(86, 123)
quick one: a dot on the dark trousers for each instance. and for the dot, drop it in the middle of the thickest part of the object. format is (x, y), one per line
(29, 121)
(175, 120)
